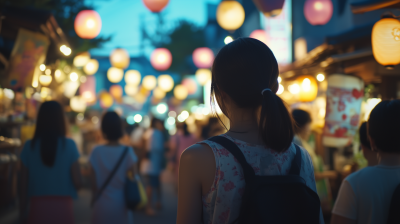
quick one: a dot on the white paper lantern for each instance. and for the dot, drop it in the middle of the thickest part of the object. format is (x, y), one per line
(119, 58)
(81, 59)
(149, 82)
(115, 75)
(78, 104)
(91, 67)
(132, 77)
(165, 82)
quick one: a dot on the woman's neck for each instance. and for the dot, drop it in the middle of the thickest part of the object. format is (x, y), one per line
(244, 126)
(389, 159)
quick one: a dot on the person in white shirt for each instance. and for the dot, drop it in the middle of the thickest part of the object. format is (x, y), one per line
(365, 195)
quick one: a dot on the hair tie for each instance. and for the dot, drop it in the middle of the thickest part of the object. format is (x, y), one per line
(266, 89)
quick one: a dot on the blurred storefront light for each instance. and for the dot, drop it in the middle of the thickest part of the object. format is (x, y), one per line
(91, 67)
(65, 50)
(116, 91)
(73, 76)
(106, 100)
(320, 77)
(230, 15)
(180, 92)
(294, 88)
(260, 35)
(158, 93)
(130, 120)
(149, 82)
(81, 59)
(309, 88)
(228, 39)
(162, 108)
(131, 90)
(203, 76)
(133, 77)
(45, 80)
(115, 75)
(165, 82)
(138, 118)
(42, 67)
(78, 104)
(87, 24)
(280, 89)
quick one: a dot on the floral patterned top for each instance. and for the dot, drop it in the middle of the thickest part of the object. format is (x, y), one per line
(222, 203)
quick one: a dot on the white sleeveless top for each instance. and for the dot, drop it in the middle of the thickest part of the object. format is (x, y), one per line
(222, 203)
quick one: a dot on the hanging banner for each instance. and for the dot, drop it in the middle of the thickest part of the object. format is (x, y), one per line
(28, 53)
(343, 107)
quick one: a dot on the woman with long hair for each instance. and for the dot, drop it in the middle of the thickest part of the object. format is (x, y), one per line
(211, 180)
(108, 199)
(50, 173)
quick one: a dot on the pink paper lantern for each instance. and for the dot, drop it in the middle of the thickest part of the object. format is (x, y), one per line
(260, 35)
(161, 59)
(88, 89)
(203, 57)
(155, 5)
(190, 85)
(87, 24)
(318, 12)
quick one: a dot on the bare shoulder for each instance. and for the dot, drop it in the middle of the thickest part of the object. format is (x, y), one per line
(198, 152)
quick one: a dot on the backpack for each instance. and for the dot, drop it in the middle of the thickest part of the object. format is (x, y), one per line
(274, 199)
(394, 216)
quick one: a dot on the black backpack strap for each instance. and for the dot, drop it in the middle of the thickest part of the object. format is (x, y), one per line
(111, 175)
(237, 153)
(296, 162)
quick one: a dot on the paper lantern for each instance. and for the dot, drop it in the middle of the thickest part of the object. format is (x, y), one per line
(165, 82)
(161, 59)
(115, 75)
(260, 35)
(119, 58)
(158, 93)
(149, 82)
(88, 89)
(386, 42)
(203, 76)
(91, 67)
(318, 12)
(308, 88)
(203, 57)
(230, 15)
(81, 59)
(132, 77)
(155, 5)
(269, 7)
(131, 89)
(78, 104)
(116, 91)
(180, 92)
(70, 88)
(106, 100)
(45, 80)
(190, 85)
(87, 24)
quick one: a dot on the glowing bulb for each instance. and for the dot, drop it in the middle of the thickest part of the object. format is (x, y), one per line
(171, 121)
(161, 108)
(90, 23)
(294, 88)
(47, 72)
(138, 118)
(279, 79)
(65, 50)
(306, 85)
(228, 39)
(73, 76)
(42, 67)
(280, 89)
(83, 79)
(318, 6)
(172, 114)
(149, 82)
(320, 77)
(184, 114)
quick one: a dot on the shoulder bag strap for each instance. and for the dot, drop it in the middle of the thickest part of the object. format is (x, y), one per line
(237, 153)
(296, 162)
(111, 175)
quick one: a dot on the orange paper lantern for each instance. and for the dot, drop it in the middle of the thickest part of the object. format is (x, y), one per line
(161, 59)
(386, 42)
(203, 57)
(106, 100)
(230, 15)
(308, 88)
(87, 24)
(155, 5)
(116, 91)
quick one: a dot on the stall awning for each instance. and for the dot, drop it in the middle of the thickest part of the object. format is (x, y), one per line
(367, 6)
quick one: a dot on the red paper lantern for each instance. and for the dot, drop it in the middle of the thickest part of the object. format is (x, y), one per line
(161, 59)
(155, 5)
(203, 57)
(318, 12)
(260, 35)
(87, 24)
(269, 7)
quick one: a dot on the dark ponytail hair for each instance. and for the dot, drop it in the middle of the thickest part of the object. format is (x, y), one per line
(50, 128)
(242, 70)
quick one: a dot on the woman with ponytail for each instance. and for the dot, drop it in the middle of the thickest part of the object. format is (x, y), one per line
(211, 180)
